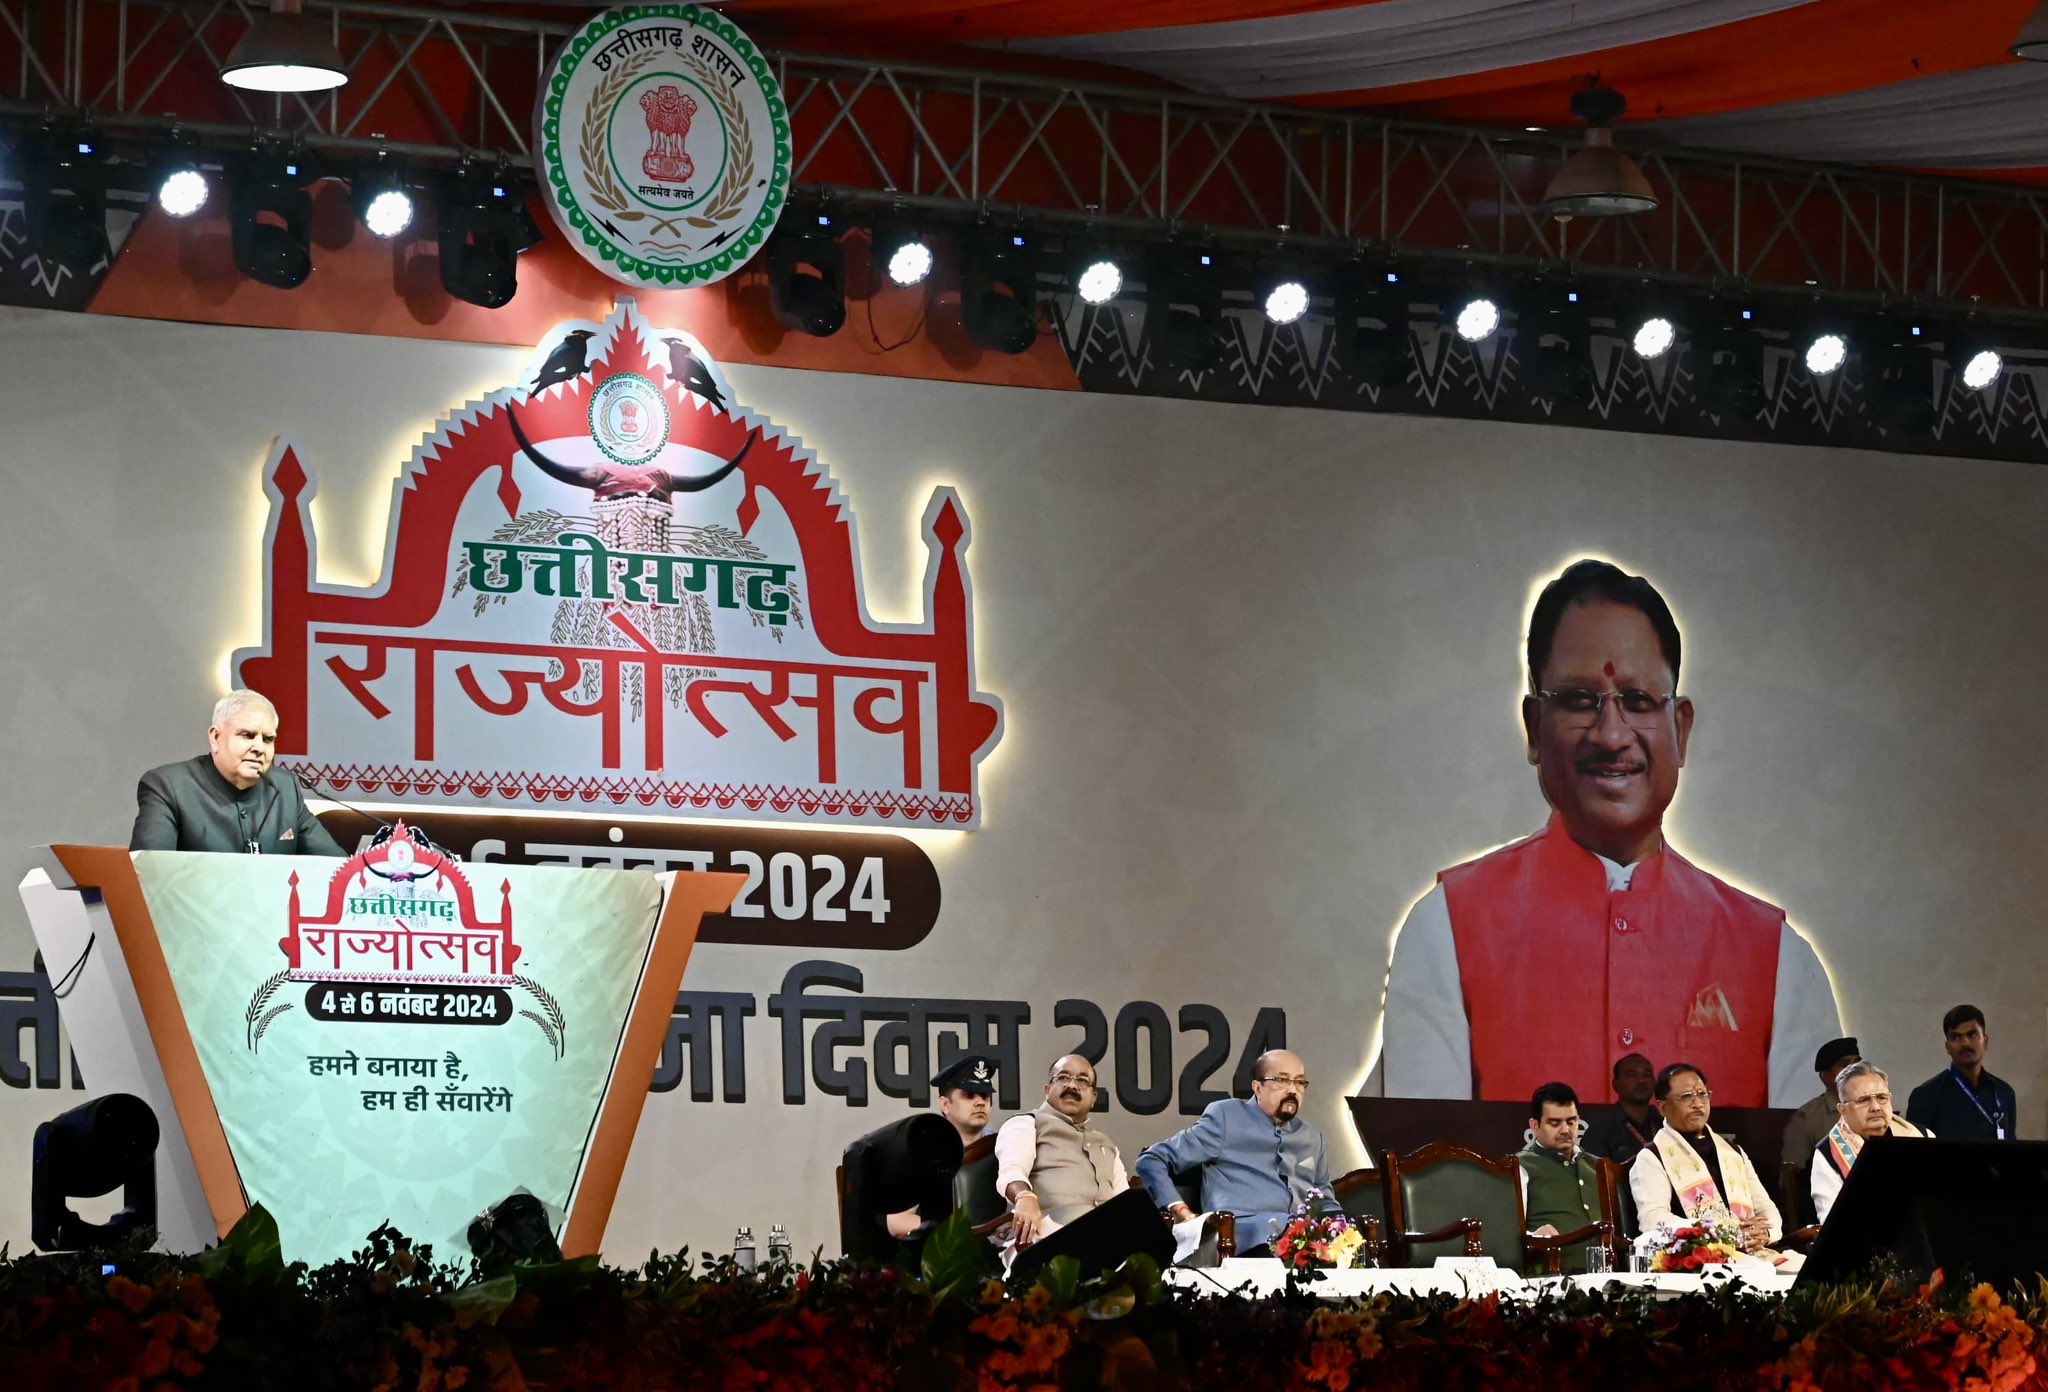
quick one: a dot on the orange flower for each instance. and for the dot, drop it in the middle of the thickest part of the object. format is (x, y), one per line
(129, 1295)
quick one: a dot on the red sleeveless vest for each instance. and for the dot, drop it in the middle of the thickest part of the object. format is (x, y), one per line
(1562, 977)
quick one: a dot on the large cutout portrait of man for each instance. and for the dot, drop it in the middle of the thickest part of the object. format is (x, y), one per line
(1554, 955)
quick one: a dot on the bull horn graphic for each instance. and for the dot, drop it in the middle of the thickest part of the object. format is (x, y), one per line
(596, 475)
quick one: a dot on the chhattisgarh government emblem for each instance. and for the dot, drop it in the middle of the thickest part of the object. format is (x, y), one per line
(664, 145)
(629, 418)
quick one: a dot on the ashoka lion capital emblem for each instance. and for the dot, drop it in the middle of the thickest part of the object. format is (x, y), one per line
(668, 113)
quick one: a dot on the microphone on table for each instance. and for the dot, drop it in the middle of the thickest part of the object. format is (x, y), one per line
(385, 828)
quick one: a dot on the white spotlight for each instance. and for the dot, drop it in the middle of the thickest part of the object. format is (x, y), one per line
(389, 213)
(1982, 369)
(1826, 353)
(910, 262)
(1654, 337)
(1478, 319)
(183, 192)
(1287, 302)
(1100, 282)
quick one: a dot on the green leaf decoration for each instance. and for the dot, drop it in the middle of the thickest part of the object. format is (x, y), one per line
(955, 1258)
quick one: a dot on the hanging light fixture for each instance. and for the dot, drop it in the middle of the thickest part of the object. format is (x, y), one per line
(284, 51)
(1598, 180)
(2032, 41)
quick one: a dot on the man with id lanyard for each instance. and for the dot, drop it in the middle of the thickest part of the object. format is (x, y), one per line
(1965, 1102)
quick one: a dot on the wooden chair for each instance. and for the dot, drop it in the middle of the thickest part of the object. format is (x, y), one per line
(1362, 1195)
(1473, 1204)
(974, 1188)
(1219, 1230)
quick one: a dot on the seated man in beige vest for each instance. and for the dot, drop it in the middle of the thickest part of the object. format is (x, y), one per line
(1051, 1165)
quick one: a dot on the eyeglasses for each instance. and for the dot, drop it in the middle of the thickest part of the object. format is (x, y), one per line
(1577, 708)
(1700, 1095)
(1285, 1081)
(1073, 1080)
(1876, 1099)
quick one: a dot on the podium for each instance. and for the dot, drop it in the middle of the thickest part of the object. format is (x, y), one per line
(394, 1037)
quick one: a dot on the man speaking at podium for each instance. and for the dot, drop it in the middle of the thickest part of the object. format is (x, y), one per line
(230, 798)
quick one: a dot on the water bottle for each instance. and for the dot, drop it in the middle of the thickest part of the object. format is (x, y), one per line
(778, 1245)
(743, 1254)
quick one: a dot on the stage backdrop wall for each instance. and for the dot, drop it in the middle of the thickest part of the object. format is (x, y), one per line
(1258, 671)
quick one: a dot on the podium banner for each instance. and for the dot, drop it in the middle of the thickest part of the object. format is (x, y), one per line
(385, 1041)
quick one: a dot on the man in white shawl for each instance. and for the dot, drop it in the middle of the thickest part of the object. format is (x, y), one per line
(1866, 1113)
(1688, 1170)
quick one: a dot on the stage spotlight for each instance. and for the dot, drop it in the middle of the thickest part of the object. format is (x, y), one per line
(999, 293)
(1371, 319)
(1559, 339)
(1183, 311)
(382, 200)
(908, 258)
(807, 273)
(484, 227)
(1826, 352)
(1286, 301)
(1100, 281)
(1728, 358)
(389, 213)
(1898, 375)
(183, 191)
(1478, 318)
(285, 51)
(1982, 369)
(64, 197)
(107, 1144)
(1654, 337)
(270, 217)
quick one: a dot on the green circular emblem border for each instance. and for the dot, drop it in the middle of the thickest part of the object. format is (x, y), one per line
(597, 397)
(739, 249)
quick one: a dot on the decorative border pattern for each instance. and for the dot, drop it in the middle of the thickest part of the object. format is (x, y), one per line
(631, 794)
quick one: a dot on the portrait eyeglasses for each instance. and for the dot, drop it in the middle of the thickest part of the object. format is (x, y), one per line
(1701, 1096)
(1578, 708)
(1301, 1083)
(1069, 1080)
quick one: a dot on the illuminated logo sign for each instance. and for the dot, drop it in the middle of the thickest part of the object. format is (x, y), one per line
(664, 145)
(612, 589)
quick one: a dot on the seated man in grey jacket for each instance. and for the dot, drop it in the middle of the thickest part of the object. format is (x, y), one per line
(229, 799)
(1258, 1157)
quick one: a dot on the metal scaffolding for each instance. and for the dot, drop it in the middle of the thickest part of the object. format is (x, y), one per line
(1116, 161)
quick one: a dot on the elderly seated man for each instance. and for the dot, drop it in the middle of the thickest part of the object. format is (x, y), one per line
(1866, 1114)
(1687, 1169)
(1258, 1156)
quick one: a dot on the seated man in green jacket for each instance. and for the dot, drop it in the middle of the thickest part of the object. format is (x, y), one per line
(230, 798)
(1560, 1182)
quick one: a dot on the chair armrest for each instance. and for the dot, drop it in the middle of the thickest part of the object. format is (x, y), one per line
(1375, 1240)
(1224, 1226)
(1800, 1239)
(1468, 1226)
(993, 1226)
(1551, 1249)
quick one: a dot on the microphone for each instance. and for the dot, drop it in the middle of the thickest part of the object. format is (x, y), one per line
(314, 789)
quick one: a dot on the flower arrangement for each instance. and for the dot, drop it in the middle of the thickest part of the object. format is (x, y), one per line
(392, 1317)
(1319, 1234)
(1711, 1238)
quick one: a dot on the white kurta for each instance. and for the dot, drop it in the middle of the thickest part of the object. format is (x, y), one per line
(1651, 1185)
(1427, 1048)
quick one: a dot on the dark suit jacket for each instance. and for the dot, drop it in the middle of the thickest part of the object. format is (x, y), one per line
(190, 807)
